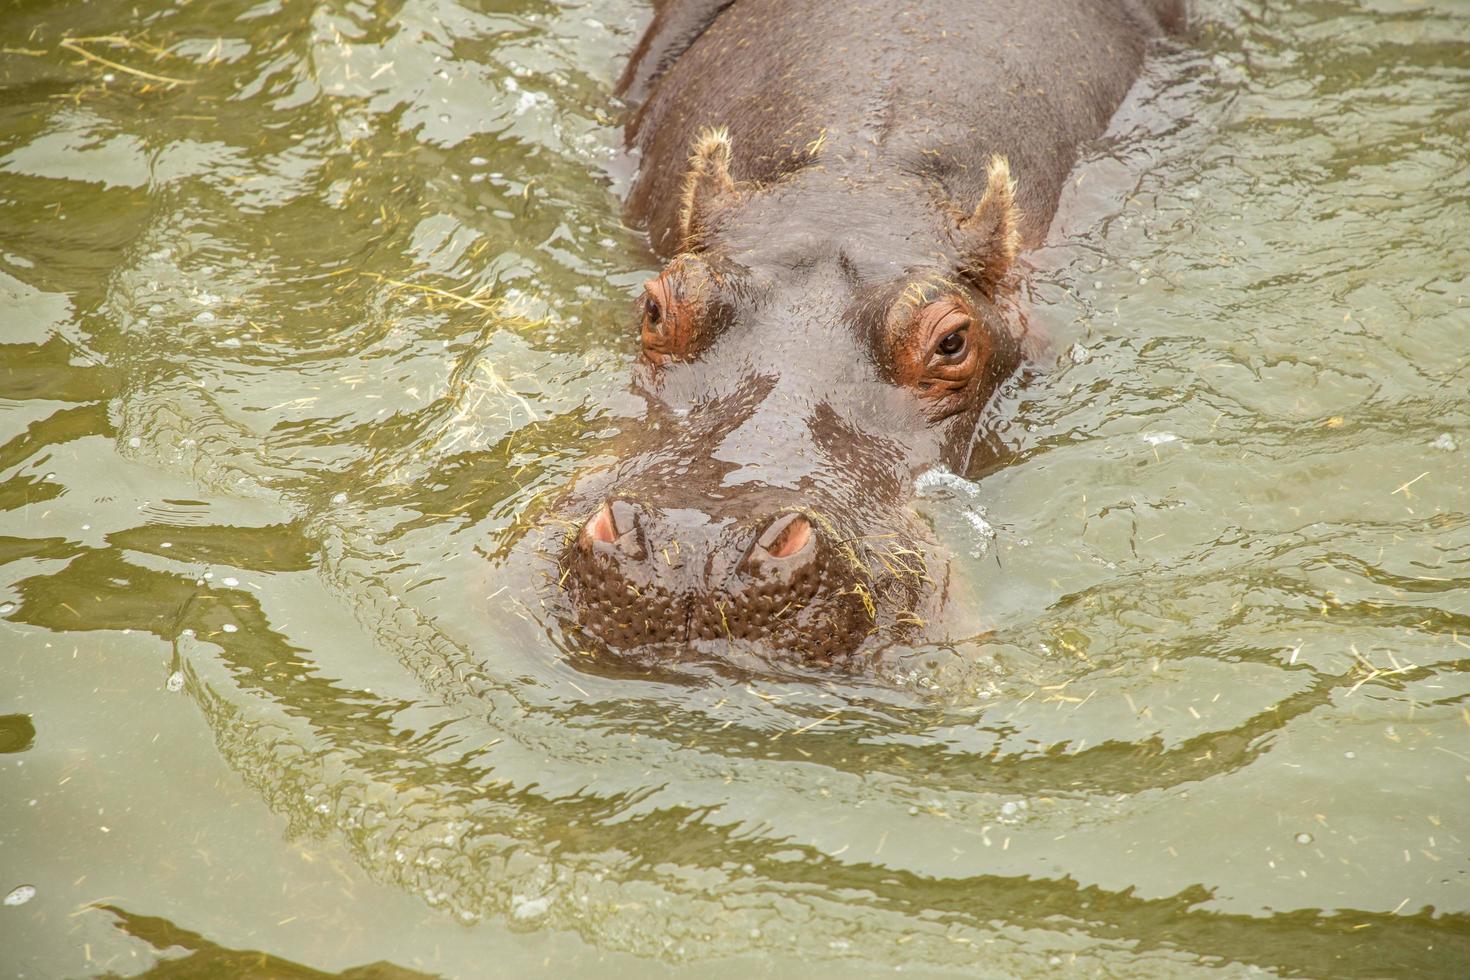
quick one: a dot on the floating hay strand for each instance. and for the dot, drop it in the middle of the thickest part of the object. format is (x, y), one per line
(74, 45)
(807, 727)
(472, 300)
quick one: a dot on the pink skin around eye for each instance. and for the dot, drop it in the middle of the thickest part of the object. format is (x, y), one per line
(922, 364)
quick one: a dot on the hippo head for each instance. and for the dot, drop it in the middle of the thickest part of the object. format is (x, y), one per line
(816, 343)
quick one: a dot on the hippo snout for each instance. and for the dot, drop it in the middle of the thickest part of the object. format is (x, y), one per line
(640, 576)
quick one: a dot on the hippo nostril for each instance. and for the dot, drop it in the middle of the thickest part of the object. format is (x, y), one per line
(786, 537)
(615, 524)
(600, 526)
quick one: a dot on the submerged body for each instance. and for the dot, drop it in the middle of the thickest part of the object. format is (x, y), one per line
(841, 191)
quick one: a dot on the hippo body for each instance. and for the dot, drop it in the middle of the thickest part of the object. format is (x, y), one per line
(840, 190)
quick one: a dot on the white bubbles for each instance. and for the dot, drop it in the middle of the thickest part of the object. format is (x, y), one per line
(1445, 443)
(230, 628)
(942, 486)
(1013, 811)
(1304, 838)
(524, 908)
(20, 894)
(1159, 438)
(175, 682)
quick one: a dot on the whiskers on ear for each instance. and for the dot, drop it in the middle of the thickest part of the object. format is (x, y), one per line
(990, 237)
(707, 187)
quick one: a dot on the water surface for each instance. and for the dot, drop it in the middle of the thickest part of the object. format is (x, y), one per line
(307, 310)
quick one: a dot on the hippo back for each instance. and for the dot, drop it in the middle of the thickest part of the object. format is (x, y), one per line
(930, 87)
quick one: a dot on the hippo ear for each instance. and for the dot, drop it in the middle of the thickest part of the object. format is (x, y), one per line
(708, 187)
(990, 236)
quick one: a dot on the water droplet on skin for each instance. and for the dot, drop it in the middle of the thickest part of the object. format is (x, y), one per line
(1304, 838)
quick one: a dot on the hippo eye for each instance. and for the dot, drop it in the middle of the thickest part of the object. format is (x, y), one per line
(943, 352)
(953, 345)
(652, 310)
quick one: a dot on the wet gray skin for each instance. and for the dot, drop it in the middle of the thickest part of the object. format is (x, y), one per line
(841, 210)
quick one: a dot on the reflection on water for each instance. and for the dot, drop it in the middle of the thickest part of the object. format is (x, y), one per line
(190, 954)
(309, 309)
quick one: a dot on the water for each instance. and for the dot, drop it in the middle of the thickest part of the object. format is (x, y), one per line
(302, 332)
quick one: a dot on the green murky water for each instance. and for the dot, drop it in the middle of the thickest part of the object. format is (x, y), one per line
(305, 307)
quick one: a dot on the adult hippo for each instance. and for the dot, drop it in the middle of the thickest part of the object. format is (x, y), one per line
(837, 308)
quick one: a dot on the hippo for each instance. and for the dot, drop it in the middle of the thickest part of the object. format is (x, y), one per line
(840, 190)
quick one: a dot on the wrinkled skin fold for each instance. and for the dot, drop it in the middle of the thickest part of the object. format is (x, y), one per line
(841, 212)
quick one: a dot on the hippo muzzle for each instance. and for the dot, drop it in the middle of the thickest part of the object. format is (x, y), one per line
(639, 576)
